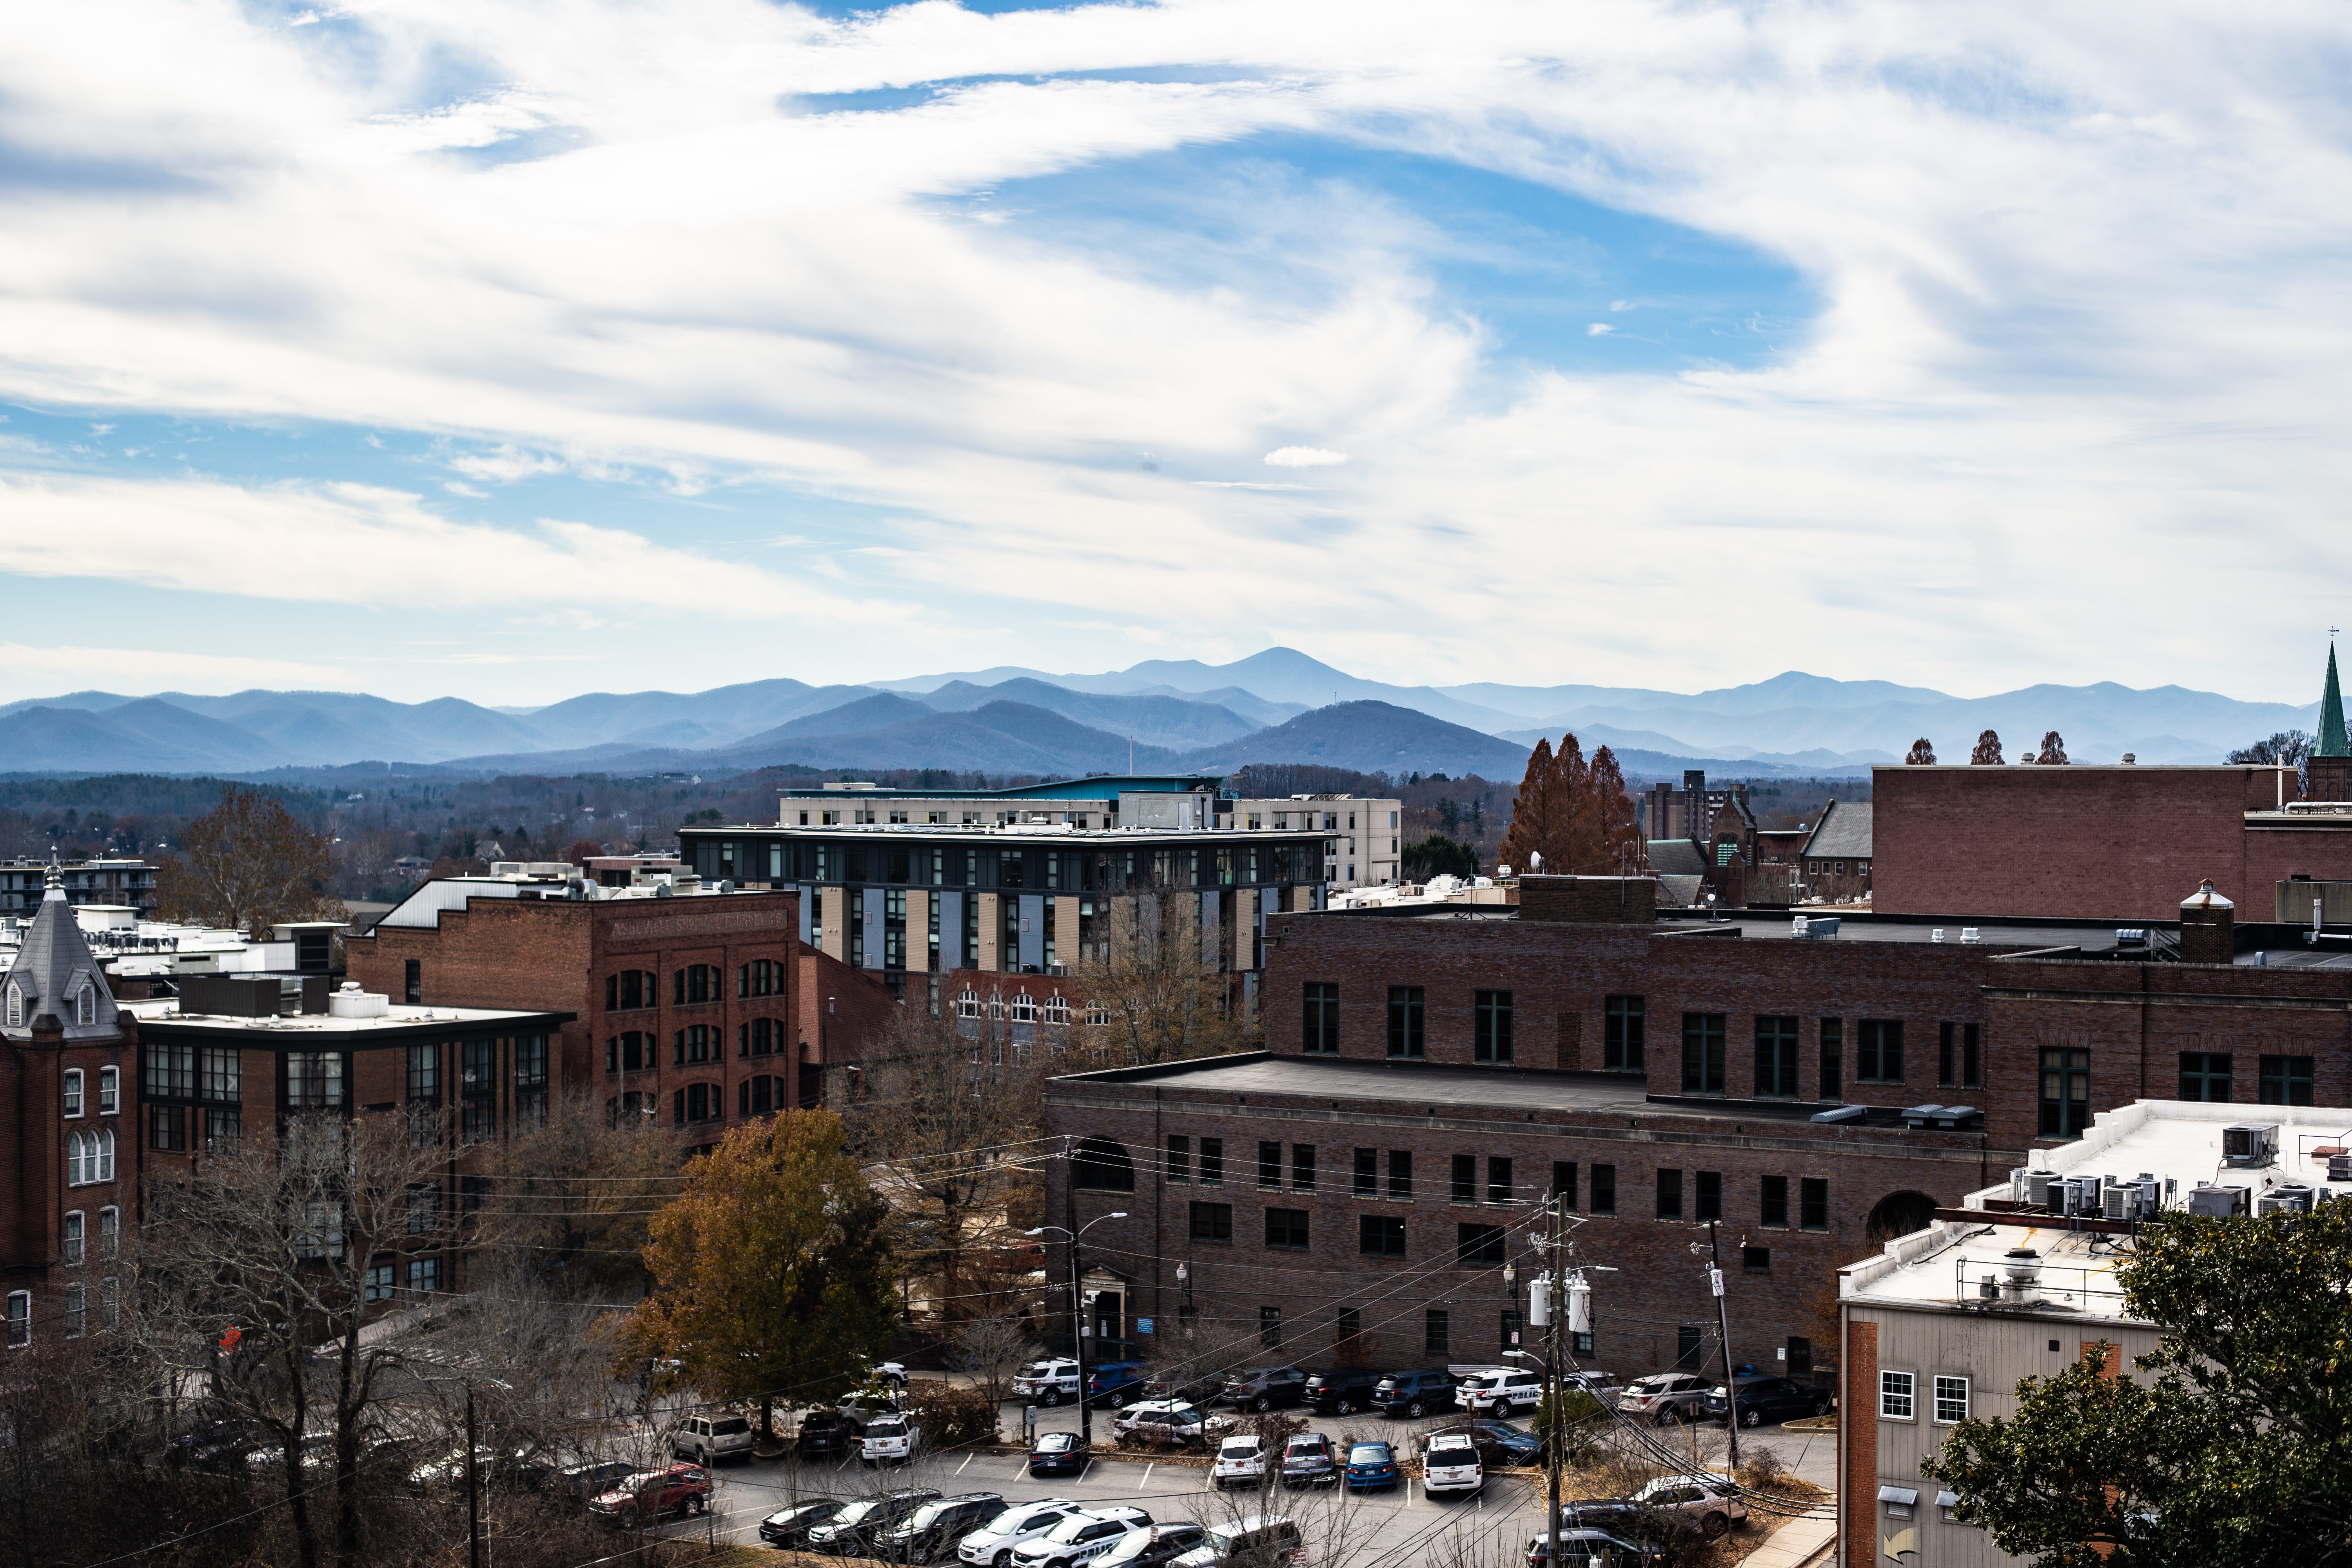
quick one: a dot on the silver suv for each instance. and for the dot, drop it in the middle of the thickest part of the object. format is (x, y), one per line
(707, 1439)
(1664, 1396)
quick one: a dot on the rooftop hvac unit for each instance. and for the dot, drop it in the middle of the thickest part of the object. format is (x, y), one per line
(2339, 1167)
(2217, 1203)
(2151, 1196)
(2250, 1146)
(2290, 1199)
(2081, 1195)
(2118, 1202)
(2039, 1185)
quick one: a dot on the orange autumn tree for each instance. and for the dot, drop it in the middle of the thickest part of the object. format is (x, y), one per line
(771, 1268)
(1573, 813)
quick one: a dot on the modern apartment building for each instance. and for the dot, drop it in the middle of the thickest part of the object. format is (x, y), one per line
(129, 882)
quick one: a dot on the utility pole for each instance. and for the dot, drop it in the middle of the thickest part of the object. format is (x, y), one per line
(1723, 1322)
(472, 1490)
(1557, 1296)
(1078, 1343)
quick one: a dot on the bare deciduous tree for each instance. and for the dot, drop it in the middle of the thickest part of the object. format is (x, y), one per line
(1160, 994)
(246, 864)
(574, 1195)
(993, 1349)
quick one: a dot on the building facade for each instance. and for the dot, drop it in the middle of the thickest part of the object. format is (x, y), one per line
(128, 881)
(1834, 863)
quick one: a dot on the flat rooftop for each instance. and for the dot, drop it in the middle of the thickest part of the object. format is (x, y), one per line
(301, 1031)
(1053, 830)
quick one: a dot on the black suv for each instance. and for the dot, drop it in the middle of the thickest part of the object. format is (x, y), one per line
(1264, 1387)
(1341, 1393)
(1414, 1393)
(1763, 1399)
(854, 1531)
(823, 1435)
(931, 1533)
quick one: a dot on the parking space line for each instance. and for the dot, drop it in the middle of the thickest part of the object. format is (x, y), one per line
(967, 1459)
(1146, 1475)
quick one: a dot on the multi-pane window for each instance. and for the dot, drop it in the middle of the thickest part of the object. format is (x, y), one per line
(1774, 1207)
(1213, 1161)
(224, 1125)
(74, 1311)
(1959, 1056)
(478, 1090)
(1498, 1181)
(1878, 1051)
(696, 983)
(1269, 1164)
(631, 989)
(1563, 1183)
(72, 1095)
(20, 1318)
(695, 1043)
(167, 1129)
(1952, 1400)
(424, 1208)
(1269, 1328)
(1605, 1189)
(381, 1281)
(2285, 1080)
(1490, 1038)
(530, 1080)
(1832, 1056)
(1286, 1227)
(1302, 1168)
(1401, 1173)
(1670, 1194)
(1378, 1236)
(765, 978)
(1813, 1203)
(110, 1089)
(1405, 1023)
(629, 1052)
(1213, 1222)
(2205, 1075)
(1620, 1034)
(1776, 1057)
(170, 1071)
(110, 1232)
(1702, 1053)
(1894, 1395)
(2066, 1092)
(424, 1276)
(1319, 1024)
(110, 1301)
(1479, 1245)
(71, 1243)
(1465, 1179)
(1179, 1157)
(314, 1080)
(1709, 1196)
(424, 1075)
(221, 1074)
(1367, 1172)
(1435, 1338)
(705, 1102)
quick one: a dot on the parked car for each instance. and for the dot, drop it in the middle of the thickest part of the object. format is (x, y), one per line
(1115, 1383)
(1060, 1454)
(1371, 1466)
(1047, 1382)
(1600, 1384)
(1308, 1461)
(650, 1494)
(446, 1468)
(1586, 1548)
(888, 1440)
(1664, 1396)
(593, 1477)
(1711, 1503)
(931, 1533)
(1160, 1423)
(1499, 1444)
(1261, 1541)
(990, 1544)
(823, 1435)
(1503, 1391)
(788, 1528)
(1202, 1389)
(849, 1532)
(1414, 1394)
(890, 1373)
(314, 1452)
(1264, 1387)
(1341, 1393)
(219, 1446)
(1450, 1467)
(1081, 1538)
(1152, 1548)
(706, 1439)
(1240, 1461)
(1762, 1399)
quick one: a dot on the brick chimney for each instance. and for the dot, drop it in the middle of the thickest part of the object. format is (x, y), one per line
(1589, 900)
(2208, 927)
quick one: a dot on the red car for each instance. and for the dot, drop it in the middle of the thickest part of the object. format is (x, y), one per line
(649, 1494)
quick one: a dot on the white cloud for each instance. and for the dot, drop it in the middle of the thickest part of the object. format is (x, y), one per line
(1598, 328)
(33, 670)
(1305, 458)
(505, 463)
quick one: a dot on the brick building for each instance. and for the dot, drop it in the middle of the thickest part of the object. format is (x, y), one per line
(1836, 856)
(1429, 1075)
(697, 1007)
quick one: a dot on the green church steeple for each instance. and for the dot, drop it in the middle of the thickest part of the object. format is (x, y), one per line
(2331, 742)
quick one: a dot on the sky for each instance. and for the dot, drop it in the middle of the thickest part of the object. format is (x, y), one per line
(514, 349)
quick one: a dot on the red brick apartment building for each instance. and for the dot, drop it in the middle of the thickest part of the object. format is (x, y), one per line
(1430, 1075)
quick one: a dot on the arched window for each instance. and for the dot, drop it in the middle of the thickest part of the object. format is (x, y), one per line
(1101, 1166)
(1098, 1014)
(1057, 1009)
(86, 1004)
(103, 1141)
(78, 1159)
(967, 1003)
(17, 1014)
(73, 1091)
(1024, 1008)
(20, 1318)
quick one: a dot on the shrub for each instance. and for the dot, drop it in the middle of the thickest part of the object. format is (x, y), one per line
(951, 1417)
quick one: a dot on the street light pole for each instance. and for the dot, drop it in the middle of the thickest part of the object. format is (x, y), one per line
(1723, 1322)
(473, 1491)
(1078, 1315)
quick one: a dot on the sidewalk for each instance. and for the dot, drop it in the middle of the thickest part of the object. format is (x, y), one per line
(1799, 1542)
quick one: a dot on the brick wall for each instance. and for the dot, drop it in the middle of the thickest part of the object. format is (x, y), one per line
(35, 1197)
(1858, 1447)
(1608, 900)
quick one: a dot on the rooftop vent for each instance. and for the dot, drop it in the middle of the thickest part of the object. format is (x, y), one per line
(2250, 1146)
(350, 1002)
(1843, 1113)
(2217, 1203)
(2131, 936)
(1970, 935)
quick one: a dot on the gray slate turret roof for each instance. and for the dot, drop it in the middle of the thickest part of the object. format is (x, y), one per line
(54, 970)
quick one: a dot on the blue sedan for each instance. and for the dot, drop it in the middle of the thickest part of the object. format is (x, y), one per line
(1371, 1465)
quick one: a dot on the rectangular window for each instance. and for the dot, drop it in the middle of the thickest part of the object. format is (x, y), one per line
(1319, 1034)
(2286, 1080)
(1952, 1400)
(1213, 1161)
(1367, 1172)
(1435, 1341)
(1946, 1052)
(1302, 1168)
(1491, 1026)
(171, 1072)
(424, 1208)
(71, 1248)
(381, 1281)
(1465, 1179)
(424, 1276)
(1479, 1245)
(314, 1080)
(1563, 1183)
(1670, 1194)
(224, 1125)
(167, 1127)
(413, 984)
(1179, 1157)
(1756, 1259)
(1620, 1034)
(72, 1095)
(478, 1088)
(1894, 1395)
(2066, 1092)
(110, 1089)
(530, 1080)
(2205, 1075)
(1348, 1325)
(1213, 1222)
(110, 1232)
(222, 1074)
(1971, 1056)
(1269, 1328)
(424, 1075)
(1498, 1181)
(1400, 1173)
(20, 1318)
(1710, 1196)
(1814, 1203)
(1776, 1057)
(1404, 1023)
(1878, 1051)
(1702, 1053)
(1378, 1235)
(1833, 1057)
(1605, 1189)
(73, 1311)
(1269, 1164)
(1774, 1208)
(1286, 1227)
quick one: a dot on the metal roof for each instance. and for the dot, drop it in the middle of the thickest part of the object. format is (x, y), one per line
(1843, 832)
